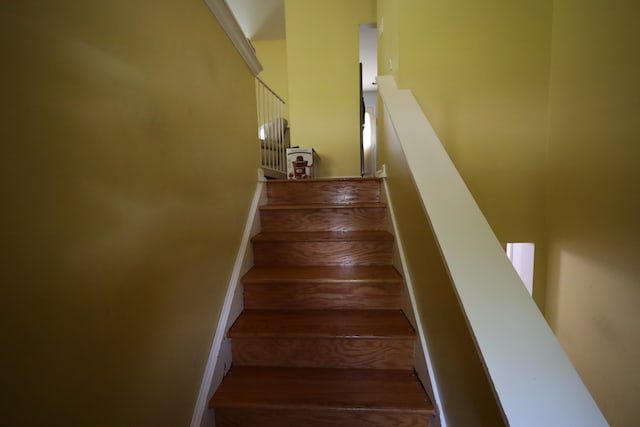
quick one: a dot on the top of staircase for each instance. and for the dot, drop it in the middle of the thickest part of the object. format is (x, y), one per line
(323, 191)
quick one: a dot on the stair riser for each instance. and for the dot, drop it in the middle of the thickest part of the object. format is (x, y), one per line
(323, 253)
(315, 296)
(336, 219)
(360, 353)
(318, 191)
(305, 417)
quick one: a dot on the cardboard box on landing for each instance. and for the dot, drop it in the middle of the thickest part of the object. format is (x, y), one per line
(300, 163)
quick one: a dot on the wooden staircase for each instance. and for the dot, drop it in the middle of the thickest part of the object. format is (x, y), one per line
(322, 340)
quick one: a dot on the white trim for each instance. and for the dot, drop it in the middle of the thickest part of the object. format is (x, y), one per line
(225, 17)
(435, 392)
(533, 379)
(219, 360)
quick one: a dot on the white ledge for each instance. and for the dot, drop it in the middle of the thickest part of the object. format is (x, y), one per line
(532, 377)
(228, 22)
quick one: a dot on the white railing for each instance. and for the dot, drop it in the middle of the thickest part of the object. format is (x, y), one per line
(273, 131)
(531, 377)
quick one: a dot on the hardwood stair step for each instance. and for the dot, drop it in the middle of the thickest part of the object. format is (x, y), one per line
(296, 397)
(321, 287)
(328, 217)
(323, 248)
(328, 190)
(323, 324)
(323, 274)
(373, 339)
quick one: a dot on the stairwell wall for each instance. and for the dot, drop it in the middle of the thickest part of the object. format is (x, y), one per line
(127, 168)
(487, 76)
(480, 72)
(323, 72)
(594, 198)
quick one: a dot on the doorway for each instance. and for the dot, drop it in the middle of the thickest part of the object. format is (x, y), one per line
(369, 60)
(522, 256)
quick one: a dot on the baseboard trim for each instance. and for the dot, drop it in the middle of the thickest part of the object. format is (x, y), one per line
(219, 360)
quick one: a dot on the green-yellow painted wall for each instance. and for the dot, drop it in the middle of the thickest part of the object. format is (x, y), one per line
(594, 198)
(127, 170)
(537, 105)
(388, 37)
(273, 57)
(480, 71)
(324, 103)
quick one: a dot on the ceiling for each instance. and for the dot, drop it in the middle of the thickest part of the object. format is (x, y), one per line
(260, 19)
(264, 20)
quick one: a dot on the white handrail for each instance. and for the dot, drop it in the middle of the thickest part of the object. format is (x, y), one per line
(533, 380)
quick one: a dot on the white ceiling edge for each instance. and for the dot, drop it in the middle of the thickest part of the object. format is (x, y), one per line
(260, 19)
(225, 17)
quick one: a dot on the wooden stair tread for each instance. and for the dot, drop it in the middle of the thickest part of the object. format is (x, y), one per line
(322, 274)
(309, 206)
(321, 236)
(391, 324)
(330, 190)
(330, 180)
(322, 287)
(315, 388)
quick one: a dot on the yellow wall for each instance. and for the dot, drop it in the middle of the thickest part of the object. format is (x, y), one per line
(594, 204)
(273, 57)
(537, 105)
(324, 103)
(388, 37)
(480, 72)
(127, 170)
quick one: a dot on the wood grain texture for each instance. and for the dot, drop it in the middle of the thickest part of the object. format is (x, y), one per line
(323, 274)
(339, 190)
(323, 248)
(330, 296)
(322, 324)
(322, 340)
(323, 218)
(322, 287)
(304, 417)
(360, 353)
(321, 398)
(322, 236)
(323, 388)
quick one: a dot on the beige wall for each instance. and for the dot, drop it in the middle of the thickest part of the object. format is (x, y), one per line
(594, 198)
(127, 169)
(273, 57)
(322, 55)
(480, 72)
